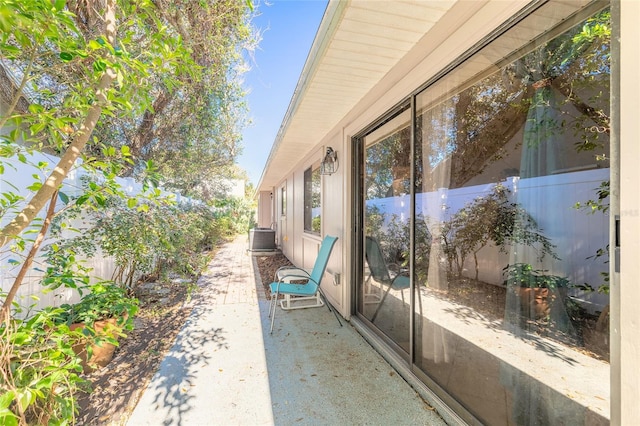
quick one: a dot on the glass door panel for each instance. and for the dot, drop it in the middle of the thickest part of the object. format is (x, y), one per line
(384, 291)
(512, 312)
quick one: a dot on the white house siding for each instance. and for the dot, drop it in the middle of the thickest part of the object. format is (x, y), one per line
(334, 198)
(625, 296)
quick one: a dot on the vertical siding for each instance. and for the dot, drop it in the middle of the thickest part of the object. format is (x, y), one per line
(625, 294)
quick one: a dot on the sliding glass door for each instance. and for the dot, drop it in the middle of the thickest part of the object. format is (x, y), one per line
(384, 294)
(486, 197)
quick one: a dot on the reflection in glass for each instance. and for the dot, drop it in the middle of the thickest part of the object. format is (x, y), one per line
(504, 321)
(312, 200)
(384, 297)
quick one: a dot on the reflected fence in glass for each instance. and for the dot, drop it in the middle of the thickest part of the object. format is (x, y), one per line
(513, 313)
(510, 250)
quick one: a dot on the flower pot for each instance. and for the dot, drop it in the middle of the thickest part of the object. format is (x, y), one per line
(102, 353)
(536, 302)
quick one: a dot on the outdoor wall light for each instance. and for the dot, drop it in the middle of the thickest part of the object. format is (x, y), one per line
(329, 163)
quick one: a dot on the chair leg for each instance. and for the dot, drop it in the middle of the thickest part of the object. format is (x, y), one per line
(375, 314)
(329, 306)
(271, 304)
(273, 316)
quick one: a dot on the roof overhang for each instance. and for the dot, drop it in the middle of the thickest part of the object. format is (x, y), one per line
(357, 44)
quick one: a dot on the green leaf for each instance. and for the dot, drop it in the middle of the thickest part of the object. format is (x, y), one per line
(132, 202)
(45, 382)
(35, 186)
(99, 65)
(19, 338)
(37, 127)
(60, 4)
(100, 200)
(63, 197)
(36, 108)
(26, 398)
(94, 45)
(66, 56)
(6, 399)
(81, 200)
(7, 418)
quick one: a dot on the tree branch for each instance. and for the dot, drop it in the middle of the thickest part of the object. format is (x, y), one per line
(5, 312)
(55, 179)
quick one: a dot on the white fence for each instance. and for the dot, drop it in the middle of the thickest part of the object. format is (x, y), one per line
(17, 177)
(551, 201)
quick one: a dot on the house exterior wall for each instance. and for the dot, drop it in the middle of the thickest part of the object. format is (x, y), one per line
(265, 209)
(302, 247)
(470, 23)
(625, 296)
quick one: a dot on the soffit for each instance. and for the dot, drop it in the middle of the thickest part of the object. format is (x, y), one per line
(358, 43)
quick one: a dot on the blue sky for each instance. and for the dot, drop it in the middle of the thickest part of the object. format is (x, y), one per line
(288, 29)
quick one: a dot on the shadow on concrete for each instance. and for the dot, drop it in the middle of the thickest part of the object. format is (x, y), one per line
(177, 375)
(323, 374)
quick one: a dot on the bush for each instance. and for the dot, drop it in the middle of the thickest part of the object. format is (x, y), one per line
(105, 300)
(39, 372)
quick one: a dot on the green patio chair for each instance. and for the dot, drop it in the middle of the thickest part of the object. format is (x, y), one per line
(308, 290)
(379, 271)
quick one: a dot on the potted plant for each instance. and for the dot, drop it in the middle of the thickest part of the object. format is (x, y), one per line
(99, 320)
(536, 292)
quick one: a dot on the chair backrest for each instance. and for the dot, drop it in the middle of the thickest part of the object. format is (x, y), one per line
(323, 258)
(375, 260)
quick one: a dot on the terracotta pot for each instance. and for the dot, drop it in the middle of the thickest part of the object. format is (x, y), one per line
(101, 354)
(536, 302)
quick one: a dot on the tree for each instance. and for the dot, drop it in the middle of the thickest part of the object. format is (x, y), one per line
(193, 117)
(79, 62)
(491, 218)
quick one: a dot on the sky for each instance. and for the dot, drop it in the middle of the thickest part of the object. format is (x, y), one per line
(288, 28)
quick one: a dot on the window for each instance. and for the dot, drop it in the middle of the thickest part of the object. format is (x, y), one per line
(283, 200)
(312, 200)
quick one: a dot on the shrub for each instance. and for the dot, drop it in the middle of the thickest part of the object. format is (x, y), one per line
(39, 372)
(105, 300)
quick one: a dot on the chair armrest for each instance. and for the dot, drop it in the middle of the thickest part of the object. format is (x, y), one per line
(293, 277)
(289, 278)
(288, 270)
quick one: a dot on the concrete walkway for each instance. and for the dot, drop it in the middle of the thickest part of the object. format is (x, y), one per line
(226, 369)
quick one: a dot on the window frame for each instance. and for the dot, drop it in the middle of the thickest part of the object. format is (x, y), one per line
(308, 199)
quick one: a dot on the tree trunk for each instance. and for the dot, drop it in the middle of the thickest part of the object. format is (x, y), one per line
(59, 174)
(5, 312)
(145, 132)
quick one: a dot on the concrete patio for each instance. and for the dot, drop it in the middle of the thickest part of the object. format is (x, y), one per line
(226, 369)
